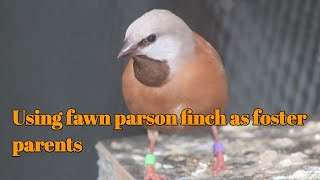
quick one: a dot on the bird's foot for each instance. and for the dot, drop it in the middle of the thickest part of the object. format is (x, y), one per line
(219, 164)
(152, 175)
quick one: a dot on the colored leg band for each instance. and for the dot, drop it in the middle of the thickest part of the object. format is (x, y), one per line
(150, 159)
(217, 147)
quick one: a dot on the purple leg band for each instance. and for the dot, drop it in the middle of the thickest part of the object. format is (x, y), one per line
(217, 147)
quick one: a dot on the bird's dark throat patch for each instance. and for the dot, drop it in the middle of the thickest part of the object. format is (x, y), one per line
(150, 72)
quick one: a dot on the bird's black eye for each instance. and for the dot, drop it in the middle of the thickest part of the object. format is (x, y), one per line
(152, 38)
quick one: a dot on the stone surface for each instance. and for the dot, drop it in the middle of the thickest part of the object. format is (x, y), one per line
(250, 153)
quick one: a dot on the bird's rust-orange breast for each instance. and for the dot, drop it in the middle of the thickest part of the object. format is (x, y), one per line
(199, 83)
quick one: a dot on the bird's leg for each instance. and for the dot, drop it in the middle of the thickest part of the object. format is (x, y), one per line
(150, 159)
(219, 164)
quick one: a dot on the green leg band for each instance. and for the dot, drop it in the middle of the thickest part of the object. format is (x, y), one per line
(150, 159)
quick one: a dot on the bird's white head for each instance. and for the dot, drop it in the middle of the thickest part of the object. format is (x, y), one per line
(161, 35)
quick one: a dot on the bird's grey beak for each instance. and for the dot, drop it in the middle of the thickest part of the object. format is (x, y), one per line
(127, 49)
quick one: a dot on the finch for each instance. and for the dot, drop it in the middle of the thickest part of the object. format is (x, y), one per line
(171, 68)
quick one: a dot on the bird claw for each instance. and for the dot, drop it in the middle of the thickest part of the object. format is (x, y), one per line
(155, 176)
(219, 165)
(152, 175)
